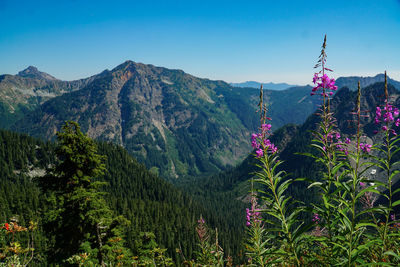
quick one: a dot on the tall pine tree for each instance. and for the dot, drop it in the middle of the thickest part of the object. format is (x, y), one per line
(81, 227)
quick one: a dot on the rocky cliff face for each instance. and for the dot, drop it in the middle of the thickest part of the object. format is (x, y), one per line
(172, 121)
(22, 93)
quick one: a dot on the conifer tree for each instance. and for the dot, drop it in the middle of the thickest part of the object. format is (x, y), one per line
(81, 225)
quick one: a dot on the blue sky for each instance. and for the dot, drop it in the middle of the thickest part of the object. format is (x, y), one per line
(235, 41)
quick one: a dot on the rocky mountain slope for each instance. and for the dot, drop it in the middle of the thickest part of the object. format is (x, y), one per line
(352, 81)
(22, 93)
(176, 123)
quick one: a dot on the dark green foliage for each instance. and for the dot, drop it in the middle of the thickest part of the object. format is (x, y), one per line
(148, 253)
(20, 157)
(240, 102)
(78, 218)
(149, 202)
(9, 118)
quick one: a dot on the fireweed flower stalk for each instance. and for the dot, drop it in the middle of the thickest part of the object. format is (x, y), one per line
(387, 119)
(353, 226)
(255, 247)
(330, 150)
(281, 226)
(253, 215)
(210, 254)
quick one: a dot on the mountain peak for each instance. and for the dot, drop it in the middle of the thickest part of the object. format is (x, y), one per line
(33, 72)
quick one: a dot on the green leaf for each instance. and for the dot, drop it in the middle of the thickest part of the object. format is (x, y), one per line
(337, 167)
(368, 189)
(314, 184)
(391, 253)
(379, 210)
(396, 191)
(359, 225)
(307, 155)
(396, 203)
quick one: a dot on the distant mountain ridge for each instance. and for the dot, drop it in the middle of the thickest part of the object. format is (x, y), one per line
(26, 91)
(349, 81)
(34, 73)
(352, 81)
(175, 123)
(270, 85)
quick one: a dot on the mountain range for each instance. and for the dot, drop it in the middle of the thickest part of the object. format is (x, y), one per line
(351, 82)
(22, 93)
(177, 124)
(269, 86)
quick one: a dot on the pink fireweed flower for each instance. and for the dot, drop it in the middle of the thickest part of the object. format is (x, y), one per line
(387, 114)
(340, 146)
(248, 217)
(254, 144)
(273, 148)
(388, 117)
(266, 127)
(365, 147)
(267, 142)
(262, 146)
(378, 112)
(253, 215)
(362, 184)
(388, 107)
(315, 78)
(323, 82)
(332, 85)
(316, 219)
(347, 140)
